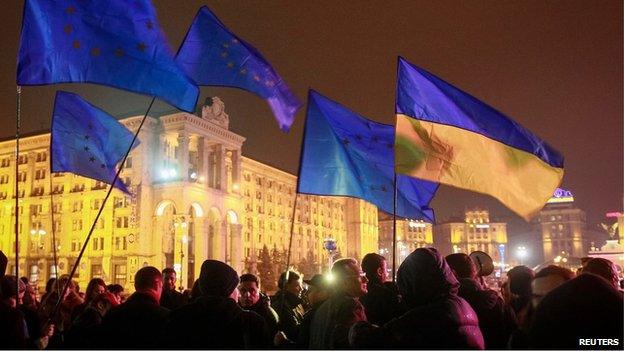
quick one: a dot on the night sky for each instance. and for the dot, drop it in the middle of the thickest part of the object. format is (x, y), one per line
(553, 66)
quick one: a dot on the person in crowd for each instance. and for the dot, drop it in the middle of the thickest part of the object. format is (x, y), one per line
(117, 291)
(95, 287)
(586, 310)
(30, 297)
(138, 322)
(497, 320)
(30, 308)
(288, 304)
(171, 298)
(319, 290)
(545, 281)
(603, 268)
(215, 320)
(13, 329)
(382, 301)
(195, 292)
(48, 289)
(332, 320)
(69, 301)
(437, 318)
(16, 330)
(519, 279)
(251, 299)
(84, 332)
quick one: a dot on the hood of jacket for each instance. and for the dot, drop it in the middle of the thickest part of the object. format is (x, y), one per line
(471, 291)
(424, 277)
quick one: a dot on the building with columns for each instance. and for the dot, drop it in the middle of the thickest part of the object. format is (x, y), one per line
(475, 233)
(195, 197)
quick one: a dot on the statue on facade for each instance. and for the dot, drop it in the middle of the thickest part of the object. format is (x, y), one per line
(213, 111)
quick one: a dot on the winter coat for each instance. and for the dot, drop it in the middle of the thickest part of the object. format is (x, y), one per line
(135, 324)
(436, 318)
(331, 322)
(585, 309)
(382, 302)
(172, 299)
(290, 312)
(215, 322)
(264, 309)
(497, 320)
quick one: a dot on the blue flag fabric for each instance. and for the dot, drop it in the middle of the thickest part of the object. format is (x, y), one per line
(346, 154)
(117, 43)
(86, 140)
(212, 55)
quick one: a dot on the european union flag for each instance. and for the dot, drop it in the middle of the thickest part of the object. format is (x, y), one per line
(111, 42)
(346, 154)
(86, 140)
(212, 55)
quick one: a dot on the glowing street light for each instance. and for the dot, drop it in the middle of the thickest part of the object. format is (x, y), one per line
(522, 253)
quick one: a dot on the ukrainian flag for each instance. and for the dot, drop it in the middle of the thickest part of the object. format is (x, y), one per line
(445, 135)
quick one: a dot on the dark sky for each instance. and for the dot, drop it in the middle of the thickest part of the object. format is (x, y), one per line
(554, 66)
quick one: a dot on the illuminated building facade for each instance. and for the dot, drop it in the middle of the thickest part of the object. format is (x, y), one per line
(563, 228)
(195, 197)
(411, 234)
(476, 233)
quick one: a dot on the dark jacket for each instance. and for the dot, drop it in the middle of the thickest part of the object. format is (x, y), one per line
(264, 309)
(135, 324)
(497, 320)
(437, 318)
(214, 322)
(172, 299)
(382, 303)
(586, 308)
(290, 312)
(306, 324)
(85, 330)
(331, 322)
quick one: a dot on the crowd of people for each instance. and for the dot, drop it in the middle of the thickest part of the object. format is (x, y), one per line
(436, 303)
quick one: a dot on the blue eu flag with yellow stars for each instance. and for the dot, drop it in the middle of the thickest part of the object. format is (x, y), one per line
(111, 42)
(86, 140)
(212, 55)
(345, 154)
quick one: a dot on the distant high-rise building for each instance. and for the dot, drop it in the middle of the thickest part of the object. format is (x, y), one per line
(563, 228)
(476, 233)
(196, 197)
(411, 234)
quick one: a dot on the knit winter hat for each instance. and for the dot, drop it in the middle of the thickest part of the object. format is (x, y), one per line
(217, 279)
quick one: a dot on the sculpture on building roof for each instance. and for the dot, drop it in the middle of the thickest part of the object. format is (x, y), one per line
(213, 111)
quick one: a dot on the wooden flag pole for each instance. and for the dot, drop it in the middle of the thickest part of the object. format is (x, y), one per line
(17, 140)
(110, 190)
(292, 230)
(54, 247)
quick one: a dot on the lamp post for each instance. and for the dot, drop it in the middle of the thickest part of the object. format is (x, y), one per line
(330, 245)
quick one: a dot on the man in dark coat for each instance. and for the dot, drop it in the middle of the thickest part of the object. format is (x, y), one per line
(497, 320)
(583, 313)
(288, 304)
(382, 301)
(250, 298)
(333, 319)
(170, 298)
(138, 322)
(215, 320)
(319, 290)
(436, 318)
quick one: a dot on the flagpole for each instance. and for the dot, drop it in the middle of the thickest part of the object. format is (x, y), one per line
(394, 229)
(110, 190)
(17, 139)
(292, 229)
(54, 248)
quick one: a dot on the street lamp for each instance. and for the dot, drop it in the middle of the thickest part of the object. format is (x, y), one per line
(522, 253)
(330, 245)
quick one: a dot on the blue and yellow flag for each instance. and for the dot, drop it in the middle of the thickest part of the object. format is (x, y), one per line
(111, 42)
(345, 154)
(86, 140)
(212, 55)
(447, 136)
